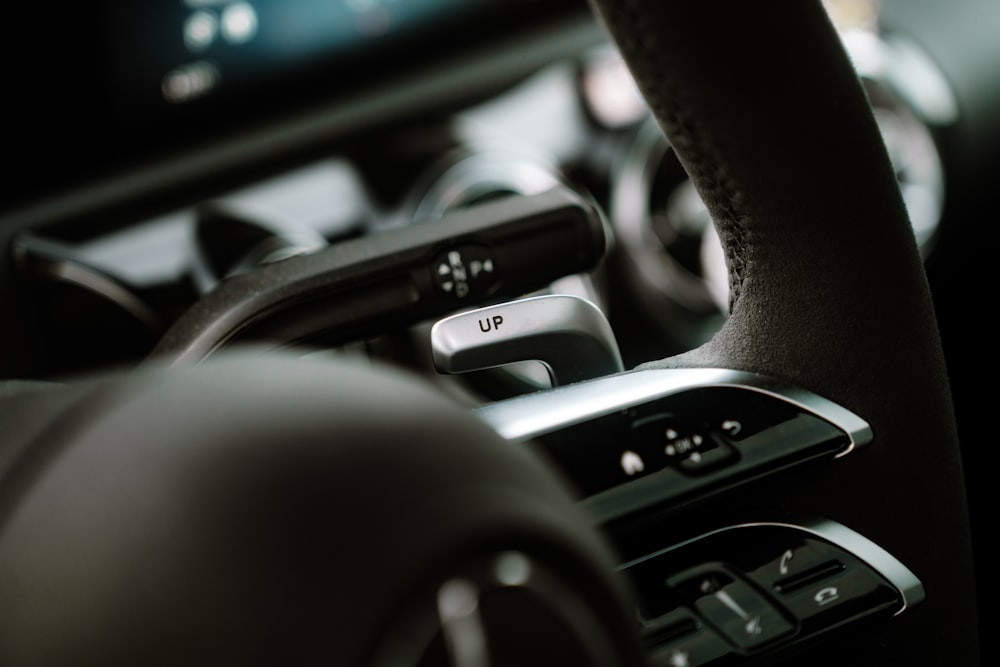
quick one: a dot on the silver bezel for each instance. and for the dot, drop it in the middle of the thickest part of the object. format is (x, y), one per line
(532, 415)
(900, 577)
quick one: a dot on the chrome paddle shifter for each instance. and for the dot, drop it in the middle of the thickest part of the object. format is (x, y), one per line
(568, 334)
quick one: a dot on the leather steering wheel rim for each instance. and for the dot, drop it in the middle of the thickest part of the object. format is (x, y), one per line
(828, 292)
(762, 107)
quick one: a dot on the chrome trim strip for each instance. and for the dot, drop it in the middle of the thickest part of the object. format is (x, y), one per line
(901, 577)
(525, 417)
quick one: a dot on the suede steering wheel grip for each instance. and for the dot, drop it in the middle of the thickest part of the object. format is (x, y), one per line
(261, 511)
(763, 108)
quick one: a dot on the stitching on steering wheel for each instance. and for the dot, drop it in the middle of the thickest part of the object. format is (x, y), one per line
(705, 165)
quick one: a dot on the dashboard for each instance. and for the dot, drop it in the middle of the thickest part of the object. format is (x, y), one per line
(184, 182)
(577, 120)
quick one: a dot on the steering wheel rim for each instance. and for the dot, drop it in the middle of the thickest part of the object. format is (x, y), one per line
(809, 305)
(827, 289)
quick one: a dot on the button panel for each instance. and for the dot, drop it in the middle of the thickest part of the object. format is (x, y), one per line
(684, 445)
(758, 588)
(666, 438)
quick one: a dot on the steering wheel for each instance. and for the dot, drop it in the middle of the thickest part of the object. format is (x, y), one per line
(259, 509)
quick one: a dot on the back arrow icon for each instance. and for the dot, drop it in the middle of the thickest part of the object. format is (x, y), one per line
(731, 426)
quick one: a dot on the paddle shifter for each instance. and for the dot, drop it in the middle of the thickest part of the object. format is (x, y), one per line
(568, 334)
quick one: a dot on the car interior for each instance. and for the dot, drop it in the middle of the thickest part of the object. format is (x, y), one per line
(497, 332)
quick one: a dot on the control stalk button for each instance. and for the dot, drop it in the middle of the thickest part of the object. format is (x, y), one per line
(464, 271)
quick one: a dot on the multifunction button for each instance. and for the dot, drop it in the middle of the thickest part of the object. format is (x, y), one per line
(684, 445)
(739, 612)
(690, 446)
(664, 438)
(757, 588)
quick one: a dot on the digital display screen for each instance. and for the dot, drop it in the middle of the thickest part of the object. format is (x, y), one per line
(118, 83)
(181, 51)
